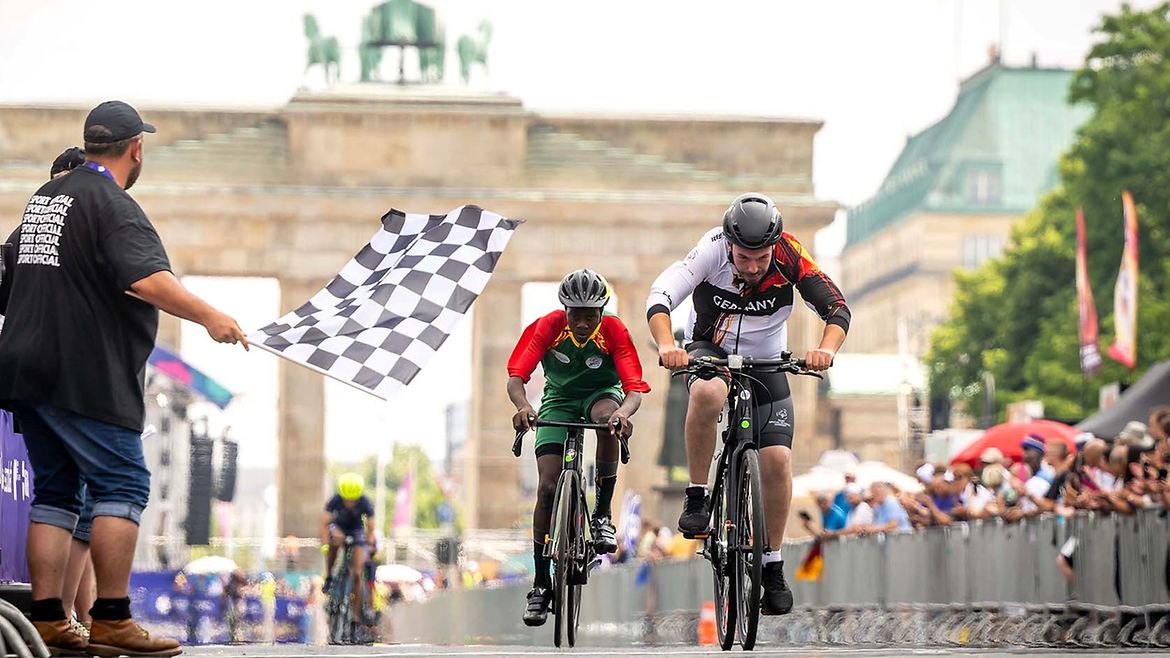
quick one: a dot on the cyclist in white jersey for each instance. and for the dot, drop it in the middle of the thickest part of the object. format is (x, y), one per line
(741, 278)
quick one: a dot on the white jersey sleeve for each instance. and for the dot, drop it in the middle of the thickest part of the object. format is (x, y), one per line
(678, 281)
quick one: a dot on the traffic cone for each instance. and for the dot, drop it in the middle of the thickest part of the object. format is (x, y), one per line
(707, 635)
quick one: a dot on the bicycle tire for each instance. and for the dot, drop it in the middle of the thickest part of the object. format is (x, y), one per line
(578, 568)
(562, 554)
(750, 535)
(718, 545)
(342, 613)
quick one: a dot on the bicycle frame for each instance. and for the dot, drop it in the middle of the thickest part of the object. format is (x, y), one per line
(728, 545)
(566, 545)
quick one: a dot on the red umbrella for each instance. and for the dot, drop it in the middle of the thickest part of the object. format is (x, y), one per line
(1007, 437)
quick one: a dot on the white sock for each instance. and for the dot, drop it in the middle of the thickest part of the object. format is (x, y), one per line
(705, 492)
(771, 556)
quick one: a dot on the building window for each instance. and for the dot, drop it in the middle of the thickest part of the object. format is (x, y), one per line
(982, 186)
(979, 248)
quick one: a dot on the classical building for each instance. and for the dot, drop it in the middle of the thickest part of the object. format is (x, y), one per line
(293, 192)
(949, 203)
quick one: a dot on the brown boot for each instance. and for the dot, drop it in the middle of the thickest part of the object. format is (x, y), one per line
(126, 638)
(61, 639)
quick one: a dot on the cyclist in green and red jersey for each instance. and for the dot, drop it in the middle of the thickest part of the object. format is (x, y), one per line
(591, 371)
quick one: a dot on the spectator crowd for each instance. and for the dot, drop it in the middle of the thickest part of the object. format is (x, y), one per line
(1122, 474)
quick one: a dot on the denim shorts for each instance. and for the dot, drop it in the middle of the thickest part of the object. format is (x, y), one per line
(85, 520)
(66, 449)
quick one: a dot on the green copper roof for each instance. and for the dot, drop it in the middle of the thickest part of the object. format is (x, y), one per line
(996, 152)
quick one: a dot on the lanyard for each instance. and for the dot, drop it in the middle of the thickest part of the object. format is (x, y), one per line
(100, 169)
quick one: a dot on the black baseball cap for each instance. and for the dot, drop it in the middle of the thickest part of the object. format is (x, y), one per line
(119, 118)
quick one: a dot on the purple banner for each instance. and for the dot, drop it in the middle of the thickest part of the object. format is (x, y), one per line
(15, 500)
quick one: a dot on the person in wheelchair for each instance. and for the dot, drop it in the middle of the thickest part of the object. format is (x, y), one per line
(591, 371)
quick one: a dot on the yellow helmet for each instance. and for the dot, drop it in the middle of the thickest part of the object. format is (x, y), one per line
(350, 486)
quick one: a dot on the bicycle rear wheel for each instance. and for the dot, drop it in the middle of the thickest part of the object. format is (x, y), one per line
(751, 535)
(562, 523)
(722, 567)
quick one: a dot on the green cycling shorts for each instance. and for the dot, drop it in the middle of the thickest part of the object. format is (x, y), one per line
(555, 406)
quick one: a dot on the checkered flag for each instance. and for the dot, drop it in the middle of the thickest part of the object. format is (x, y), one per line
(378, 322)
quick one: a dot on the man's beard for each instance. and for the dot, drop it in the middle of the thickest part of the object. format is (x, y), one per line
(133, 175)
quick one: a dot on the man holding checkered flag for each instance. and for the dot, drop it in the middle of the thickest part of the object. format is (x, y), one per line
(378, 322)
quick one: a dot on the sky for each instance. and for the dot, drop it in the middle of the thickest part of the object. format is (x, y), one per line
(873, 72)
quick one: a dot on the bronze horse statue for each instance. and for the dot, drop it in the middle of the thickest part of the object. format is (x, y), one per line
(472, 50)
(322, 50)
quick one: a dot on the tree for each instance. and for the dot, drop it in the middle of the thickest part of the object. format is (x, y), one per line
(427, 495)
(1016, 317)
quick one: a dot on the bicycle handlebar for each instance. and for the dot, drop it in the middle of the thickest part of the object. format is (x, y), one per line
(785, 363)
(601, 427)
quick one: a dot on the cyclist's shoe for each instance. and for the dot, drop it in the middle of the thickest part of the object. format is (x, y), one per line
(695, 520)
(328, 584)
(604, 535)
(539, 599)
(777, 598)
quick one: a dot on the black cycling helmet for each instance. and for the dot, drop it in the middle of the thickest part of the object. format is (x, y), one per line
(583, 289)
(752, 222)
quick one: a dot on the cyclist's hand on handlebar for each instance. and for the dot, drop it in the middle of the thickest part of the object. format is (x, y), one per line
(523, 418)
(673, 356)
(624, 428)
(818, 359)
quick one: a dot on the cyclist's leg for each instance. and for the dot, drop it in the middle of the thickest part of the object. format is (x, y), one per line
(601, 406)
(358, 573)
(550, 444)
(776, 422)
(706, 400)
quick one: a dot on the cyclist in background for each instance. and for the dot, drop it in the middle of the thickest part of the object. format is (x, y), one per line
(349, 514)
(591, 371)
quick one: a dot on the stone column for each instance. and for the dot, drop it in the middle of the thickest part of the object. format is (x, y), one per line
(491, 478)
(643, 475)
(301, 446)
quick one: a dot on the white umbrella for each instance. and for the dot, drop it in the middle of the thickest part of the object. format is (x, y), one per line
(841, 461)
(818, 478)
(210, 564)
(870, 472)
(397, 573)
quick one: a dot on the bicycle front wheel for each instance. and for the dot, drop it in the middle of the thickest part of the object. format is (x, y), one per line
(751, 535)
(339, 625)
(723, 568)
(562, 559)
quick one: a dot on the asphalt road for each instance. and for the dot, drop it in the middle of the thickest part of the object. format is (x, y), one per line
(787, 652)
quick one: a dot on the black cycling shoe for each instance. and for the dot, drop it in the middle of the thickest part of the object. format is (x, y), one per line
(539, 600)
(777, 599)
(604, 534)
(696, 517)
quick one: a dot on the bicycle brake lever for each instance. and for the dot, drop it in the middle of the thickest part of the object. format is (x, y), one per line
(625, 444)
(519, 442)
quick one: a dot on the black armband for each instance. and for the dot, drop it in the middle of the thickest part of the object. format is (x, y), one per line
(655, 310)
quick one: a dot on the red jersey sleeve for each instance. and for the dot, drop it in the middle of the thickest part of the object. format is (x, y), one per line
(625, 355)
(533, 343)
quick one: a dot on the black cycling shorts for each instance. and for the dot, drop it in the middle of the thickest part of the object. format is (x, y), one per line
(773, 412)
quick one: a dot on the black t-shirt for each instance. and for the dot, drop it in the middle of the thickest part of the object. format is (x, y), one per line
(349, 519)
(72, 337)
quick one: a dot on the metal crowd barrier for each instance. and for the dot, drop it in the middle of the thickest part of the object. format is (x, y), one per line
(981, 584)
